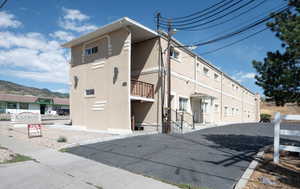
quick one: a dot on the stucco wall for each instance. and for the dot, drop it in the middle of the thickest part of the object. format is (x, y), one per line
(108, 73)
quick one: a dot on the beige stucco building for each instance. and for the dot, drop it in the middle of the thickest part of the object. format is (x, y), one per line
(117, 77)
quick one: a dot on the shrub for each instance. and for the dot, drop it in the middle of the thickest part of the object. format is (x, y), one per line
(62, 139)
(265, 118)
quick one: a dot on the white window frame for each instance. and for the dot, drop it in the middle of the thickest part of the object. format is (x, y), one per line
(216, 108)
(226, 113)
(187, 103)
(89, 95)
(91, 51)
(172, 49)
(216, 78)
(206, 73)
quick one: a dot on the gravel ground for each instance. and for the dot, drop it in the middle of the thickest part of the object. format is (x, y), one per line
(50, 135)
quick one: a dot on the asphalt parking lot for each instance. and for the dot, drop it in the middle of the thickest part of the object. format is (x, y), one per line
(213, 158)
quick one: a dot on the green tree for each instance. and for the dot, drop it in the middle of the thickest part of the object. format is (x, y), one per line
(279, 73)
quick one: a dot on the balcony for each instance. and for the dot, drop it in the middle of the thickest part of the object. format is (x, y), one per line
(142, 91)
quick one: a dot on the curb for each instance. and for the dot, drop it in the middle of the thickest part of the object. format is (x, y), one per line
(247, 174)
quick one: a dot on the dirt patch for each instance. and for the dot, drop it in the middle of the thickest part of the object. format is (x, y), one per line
(285, 175)
(51, 136)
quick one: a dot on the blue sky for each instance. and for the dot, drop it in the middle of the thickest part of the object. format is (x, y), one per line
(31, 33)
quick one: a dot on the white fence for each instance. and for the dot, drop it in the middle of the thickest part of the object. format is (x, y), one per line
(278, 132)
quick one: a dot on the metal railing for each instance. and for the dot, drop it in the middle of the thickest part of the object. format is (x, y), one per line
(142, 89)
(183, 118)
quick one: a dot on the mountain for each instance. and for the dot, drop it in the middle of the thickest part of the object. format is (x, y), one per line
(7, 87)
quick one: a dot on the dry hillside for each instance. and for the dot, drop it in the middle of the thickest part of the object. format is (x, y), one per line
(271, 108)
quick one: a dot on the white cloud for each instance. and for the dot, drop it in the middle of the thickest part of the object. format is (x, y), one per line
(36, 56)
(72, 20)
(8, 20)
(62, 35)
(32, 56)
(77, 27)
(73, 14)
(243, 76)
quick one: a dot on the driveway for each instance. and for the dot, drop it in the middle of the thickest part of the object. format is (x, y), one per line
(214, 158)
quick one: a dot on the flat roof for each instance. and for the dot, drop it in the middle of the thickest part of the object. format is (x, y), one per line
(139, 32)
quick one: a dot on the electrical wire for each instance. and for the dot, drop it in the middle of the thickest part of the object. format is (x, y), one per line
(240, 30)
(229, 19)
(235, 42)
(179, 26)
(198, 12)
(3, 3)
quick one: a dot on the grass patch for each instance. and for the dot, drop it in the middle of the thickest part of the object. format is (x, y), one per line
(17, 158)
(64, 150)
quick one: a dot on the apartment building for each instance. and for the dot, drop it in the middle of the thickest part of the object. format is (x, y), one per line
(117, 82)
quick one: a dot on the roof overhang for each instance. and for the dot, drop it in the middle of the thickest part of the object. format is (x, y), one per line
(202, 96)
(138, 31)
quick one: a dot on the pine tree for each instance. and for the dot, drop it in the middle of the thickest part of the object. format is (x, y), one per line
(279, 73)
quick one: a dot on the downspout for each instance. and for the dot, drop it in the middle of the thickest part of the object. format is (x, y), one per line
(129, 76)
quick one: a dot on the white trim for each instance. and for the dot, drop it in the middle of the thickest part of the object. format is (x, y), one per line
(97, 109)
(101, 102)
(180, 76)
(141, 98)
(109, 46)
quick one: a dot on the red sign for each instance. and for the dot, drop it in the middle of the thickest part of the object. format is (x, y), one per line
(34, 130)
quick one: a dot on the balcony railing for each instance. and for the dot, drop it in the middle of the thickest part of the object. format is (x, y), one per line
(142, 89)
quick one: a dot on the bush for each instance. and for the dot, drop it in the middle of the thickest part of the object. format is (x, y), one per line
(62, 139)
(265, 118)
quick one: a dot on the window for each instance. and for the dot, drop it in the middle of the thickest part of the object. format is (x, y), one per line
(204, 107)
(216, 76)
(11, 105)
(183, 104)
(232, 111)
(205, 71)
(24, 106)
(90, 51)
(174, 53)
(216, 107)
(89, 92)
(225, 110)
(237, 111)
(2, 107)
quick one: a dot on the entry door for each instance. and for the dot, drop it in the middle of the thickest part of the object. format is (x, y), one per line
(42, 108)
(196, 107)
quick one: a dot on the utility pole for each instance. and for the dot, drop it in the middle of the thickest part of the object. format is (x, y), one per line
(169, 120)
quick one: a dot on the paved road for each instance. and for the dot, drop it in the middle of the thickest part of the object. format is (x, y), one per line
(214, 158)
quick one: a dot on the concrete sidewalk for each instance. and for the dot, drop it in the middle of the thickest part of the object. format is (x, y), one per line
(53, 169)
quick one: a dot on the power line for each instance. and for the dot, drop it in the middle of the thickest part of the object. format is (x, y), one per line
(235, 42)
(178, 26)
(227, 20)
(198, 12)
(241, 30)
(264, 14)
(3, 3)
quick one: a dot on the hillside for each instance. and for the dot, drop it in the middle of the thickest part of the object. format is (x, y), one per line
(271, 108)
(13, 88)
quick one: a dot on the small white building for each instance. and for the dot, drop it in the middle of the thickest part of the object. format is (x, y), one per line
(12, 104)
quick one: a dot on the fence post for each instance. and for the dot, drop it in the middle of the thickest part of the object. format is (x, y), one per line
(181, 124)
(193, 121)
(277, 121)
